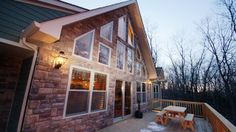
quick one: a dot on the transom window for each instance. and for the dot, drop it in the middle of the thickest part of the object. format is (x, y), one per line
(141, 92)
(130, 60)
(83, 45)
(82, 97)
(120, 55)
(106, 31)
(104, 54)
(122, 27)
(130, 34)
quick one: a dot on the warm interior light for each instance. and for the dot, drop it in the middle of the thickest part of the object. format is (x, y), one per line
(59, 60)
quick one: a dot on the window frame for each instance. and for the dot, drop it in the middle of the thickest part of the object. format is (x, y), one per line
(130, 27)
(140, 66)
(92, 75)
(133, 62)
(141, 93)
(123, 68)
(124, 39)
(156, 91)
(92, 44)
(109, 59)
(103, 26)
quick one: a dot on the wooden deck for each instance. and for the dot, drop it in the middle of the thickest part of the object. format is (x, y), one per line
(143, 125)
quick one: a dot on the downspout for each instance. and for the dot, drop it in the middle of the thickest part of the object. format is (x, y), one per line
(35, 49)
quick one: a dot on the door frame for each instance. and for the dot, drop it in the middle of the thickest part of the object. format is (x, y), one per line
(123, 117)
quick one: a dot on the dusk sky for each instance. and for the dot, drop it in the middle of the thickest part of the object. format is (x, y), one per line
(171, 18)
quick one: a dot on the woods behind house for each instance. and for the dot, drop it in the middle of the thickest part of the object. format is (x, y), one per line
(210, 74)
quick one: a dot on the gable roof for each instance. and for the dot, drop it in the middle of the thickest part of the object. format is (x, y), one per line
(50, 31)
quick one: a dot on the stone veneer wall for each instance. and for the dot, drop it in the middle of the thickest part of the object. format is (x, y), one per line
(9, 72)
(47, 95)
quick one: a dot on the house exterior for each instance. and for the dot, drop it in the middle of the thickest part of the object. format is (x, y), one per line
(66, 68)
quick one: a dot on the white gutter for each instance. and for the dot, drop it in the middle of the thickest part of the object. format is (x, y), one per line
(35, 49)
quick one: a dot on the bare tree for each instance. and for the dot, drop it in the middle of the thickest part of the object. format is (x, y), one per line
(151, 31)
(230, 6)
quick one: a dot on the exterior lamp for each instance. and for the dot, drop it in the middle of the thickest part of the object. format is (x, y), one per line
(149, 82)
(60, 60)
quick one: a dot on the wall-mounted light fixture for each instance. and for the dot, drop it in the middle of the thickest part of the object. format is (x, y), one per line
(60, 60)
(149, 82)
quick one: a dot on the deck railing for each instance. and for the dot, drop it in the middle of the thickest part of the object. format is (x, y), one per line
(199, 109)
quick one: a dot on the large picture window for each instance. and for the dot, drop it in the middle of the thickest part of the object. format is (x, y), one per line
(122, 27)
(83, 45)
(104, 54)
(83, 98)
(141, 92)
(106, 31)
(130, 60)
(120, 55)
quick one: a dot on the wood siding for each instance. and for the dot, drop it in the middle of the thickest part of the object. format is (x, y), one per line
(16, 16)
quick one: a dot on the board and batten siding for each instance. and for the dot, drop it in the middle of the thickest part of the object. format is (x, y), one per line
(16, 16)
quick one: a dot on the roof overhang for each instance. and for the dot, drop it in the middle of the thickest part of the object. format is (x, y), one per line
(50, 31)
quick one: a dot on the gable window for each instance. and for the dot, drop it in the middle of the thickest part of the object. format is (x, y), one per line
(106, 31)
(141, 92)
(82, 97)
(120, 55)
(122, 27)
(83, 45)
(130, 60)
(130, 34)
(138, 68)
(104, 54)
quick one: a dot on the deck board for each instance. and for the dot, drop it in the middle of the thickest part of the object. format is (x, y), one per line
(135, 125)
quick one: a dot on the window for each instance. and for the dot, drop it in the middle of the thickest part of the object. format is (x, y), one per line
(83, 45)
(82, 97)
(141, 92)
(120, 55)
(130, 60)
(122, 28)
(106, 31)
(99, 92)
(138, 54)
(138, 68)
(130, 34)
(104, 54)
(155, 91)
(143, 71)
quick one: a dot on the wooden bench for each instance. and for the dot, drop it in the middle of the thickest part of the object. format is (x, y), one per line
(188, 121)
(161, 117)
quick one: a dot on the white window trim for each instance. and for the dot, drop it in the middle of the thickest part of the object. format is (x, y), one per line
(125, 28)
(137, 50)
(111, 31)
(132, 63)
(140, 69)
(123, 69)
(109, 59)
(141, 103)
(92, 72)
(157, 90)
(92, 43)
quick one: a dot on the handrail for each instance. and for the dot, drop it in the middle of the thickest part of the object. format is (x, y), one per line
(218, 122)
